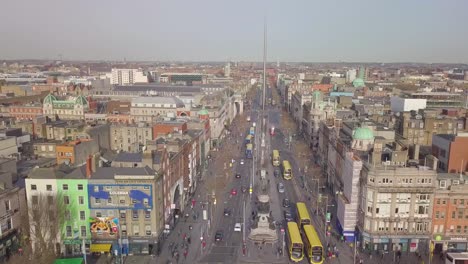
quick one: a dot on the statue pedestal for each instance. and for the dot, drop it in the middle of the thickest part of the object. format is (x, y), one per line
(265, 231)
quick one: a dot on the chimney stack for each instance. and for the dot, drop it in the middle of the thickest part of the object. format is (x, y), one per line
(89, 168)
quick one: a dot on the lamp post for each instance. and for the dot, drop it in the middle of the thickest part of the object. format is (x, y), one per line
(318, 193)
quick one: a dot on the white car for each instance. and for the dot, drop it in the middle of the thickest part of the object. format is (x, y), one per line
(237, 227)
(242, 162)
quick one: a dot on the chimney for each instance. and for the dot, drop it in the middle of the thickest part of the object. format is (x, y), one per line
(89, 169)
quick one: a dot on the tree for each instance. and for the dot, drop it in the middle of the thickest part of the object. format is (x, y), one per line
(46, 215)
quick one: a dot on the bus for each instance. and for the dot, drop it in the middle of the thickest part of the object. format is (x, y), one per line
(252, 131)
(276, 158)
(312, 246)
(287, 171)
(456, 258)
(295, 245)
(303, 217)
(248, 139)
(249, 151)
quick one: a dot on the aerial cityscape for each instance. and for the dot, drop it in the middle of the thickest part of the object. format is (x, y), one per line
(233, 132)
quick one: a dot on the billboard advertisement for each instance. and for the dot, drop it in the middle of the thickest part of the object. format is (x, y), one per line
(120, 196)
(104, 227)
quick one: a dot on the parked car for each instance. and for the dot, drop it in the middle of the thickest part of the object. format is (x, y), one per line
(286, 203)
(238, 175)
(219, 235)
(242, 162)
(280, 187)
(237, 227)
(234, 191)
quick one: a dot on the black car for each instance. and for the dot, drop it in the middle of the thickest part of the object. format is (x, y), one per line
(219, 235)
(288, 216)
(286, 203)
(227, 212)
(276, 173)
(238, 175)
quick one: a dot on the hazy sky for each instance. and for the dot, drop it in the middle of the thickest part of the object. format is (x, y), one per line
(316, 31)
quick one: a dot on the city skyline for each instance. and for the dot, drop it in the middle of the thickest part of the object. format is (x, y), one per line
(219, 31)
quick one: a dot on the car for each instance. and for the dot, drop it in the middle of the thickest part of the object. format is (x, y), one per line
(280, 187)
(234, 191)
(227, 212)
(237, 227)
(288, 216)
(286, 203)
(219, 235)
(244, 189)
(276, 173)
(242, 161)
(238, 175)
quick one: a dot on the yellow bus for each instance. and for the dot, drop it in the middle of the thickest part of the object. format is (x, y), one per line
(295, 245)
(276, 158)
(312, 245)
(303, 217)
(287, 171)
(248, 139)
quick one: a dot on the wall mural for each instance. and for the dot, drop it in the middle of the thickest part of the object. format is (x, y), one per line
(104, 227)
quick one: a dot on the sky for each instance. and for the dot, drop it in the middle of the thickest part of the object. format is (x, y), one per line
(223, 30)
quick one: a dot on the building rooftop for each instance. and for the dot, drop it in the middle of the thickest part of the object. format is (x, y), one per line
(111, 172)
(157, 100)
(128, 157)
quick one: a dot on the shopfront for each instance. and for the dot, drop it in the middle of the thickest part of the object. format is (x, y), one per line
(102, 246)
(9, 244)
(74, 247)
(139, 246)
(450, 243)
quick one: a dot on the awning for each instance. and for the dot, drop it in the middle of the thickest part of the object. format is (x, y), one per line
(100, 247)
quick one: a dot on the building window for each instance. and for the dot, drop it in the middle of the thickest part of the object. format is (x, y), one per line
(438, 201)
(458, 229)
(65, 187)
(147, 214)
(122, 200)
(148, 230)
(7, 205)
(82, 215)
(109, 200)
(81, 200)
(67, 215)
(80, 187)
(453, 214)
(123, 214)
(460, 214)
(145, 201)
(97, 200)
(443, 184)
(136, 230)
(134, 201)
(437, 214)
(443, 201)
(33, 187)
(98, 214)
(66, 199)
(69, 231)
(454, 202)
(83, 231)
(462, 201)
(124, 230)
(49, 187)
(442, 215)
(135, 214)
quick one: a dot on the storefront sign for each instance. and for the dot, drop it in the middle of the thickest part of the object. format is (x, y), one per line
(458, 239)
(118, 193)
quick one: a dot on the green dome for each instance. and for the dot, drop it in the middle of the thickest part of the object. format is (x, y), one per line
(49, 99)
(81, 100)
(203, 112)
(363, 133)
(358, 82)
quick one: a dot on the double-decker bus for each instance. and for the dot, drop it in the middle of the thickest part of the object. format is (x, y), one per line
(312, 246)
(276, 158)
(295, 245)
(249, 151)
(303, 217)
(252, 131)
(248, 139)
(287, 170)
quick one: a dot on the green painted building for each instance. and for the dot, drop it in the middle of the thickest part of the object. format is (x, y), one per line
(75, 213)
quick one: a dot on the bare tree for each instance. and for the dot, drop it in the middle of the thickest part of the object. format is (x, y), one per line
(46, 216)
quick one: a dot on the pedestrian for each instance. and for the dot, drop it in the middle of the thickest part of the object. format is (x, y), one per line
(336, 253)
(179, 232)
(185, 254)
(360, 261)
(185, 236)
